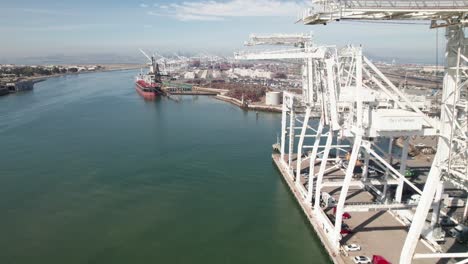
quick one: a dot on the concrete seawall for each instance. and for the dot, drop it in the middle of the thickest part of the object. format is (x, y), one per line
(264, 108)
(336, 257)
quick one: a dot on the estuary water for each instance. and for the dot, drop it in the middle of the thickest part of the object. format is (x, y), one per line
(92, 173)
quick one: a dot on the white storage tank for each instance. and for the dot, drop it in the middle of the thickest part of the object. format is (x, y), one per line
(189, 75)
(273, 98)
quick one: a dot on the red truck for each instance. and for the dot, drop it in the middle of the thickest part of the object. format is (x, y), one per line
(376, 259)
(345, 214)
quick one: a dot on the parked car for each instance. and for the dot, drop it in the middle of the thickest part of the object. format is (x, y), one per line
(446, 221)
(326, 200)
(346, 215)
(376, 259)
(362, 260)
(409, 173)
(372, 172)
(457, 230)
(345, 231)
(414, 199)
(352, 247)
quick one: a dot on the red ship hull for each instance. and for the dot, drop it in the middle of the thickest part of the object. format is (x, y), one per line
(145, 91)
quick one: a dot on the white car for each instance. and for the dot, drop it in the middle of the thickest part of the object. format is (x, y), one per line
(362, 260)
(352, 247)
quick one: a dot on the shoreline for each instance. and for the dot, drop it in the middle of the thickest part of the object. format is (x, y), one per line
(334, 256)
(37, 79)
(24, 84)
(218, 94)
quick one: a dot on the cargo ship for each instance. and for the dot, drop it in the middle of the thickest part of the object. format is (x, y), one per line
(149, 85)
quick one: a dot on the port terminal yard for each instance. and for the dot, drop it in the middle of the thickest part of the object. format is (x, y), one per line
(377, 231)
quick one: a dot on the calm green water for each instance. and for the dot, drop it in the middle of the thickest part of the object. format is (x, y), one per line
(91, 173)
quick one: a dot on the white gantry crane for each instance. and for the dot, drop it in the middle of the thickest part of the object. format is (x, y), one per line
(356, 103)
(451, 160)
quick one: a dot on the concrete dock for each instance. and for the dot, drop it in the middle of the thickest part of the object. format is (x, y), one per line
(378, 232)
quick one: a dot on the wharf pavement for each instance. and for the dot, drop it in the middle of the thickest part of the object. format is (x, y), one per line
(377, 232)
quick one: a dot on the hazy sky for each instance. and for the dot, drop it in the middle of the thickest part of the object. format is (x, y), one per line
(47, 27)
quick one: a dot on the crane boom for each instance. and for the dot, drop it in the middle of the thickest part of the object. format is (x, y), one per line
(146, 55)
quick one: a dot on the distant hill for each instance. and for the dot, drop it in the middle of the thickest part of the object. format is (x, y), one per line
(101, 58)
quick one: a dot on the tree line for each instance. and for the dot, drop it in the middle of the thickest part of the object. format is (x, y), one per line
(28, 71)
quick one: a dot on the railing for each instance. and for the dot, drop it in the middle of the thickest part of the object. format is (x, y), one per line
(405, 4)
(329, 10)
(392, 4)
(350, 206)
